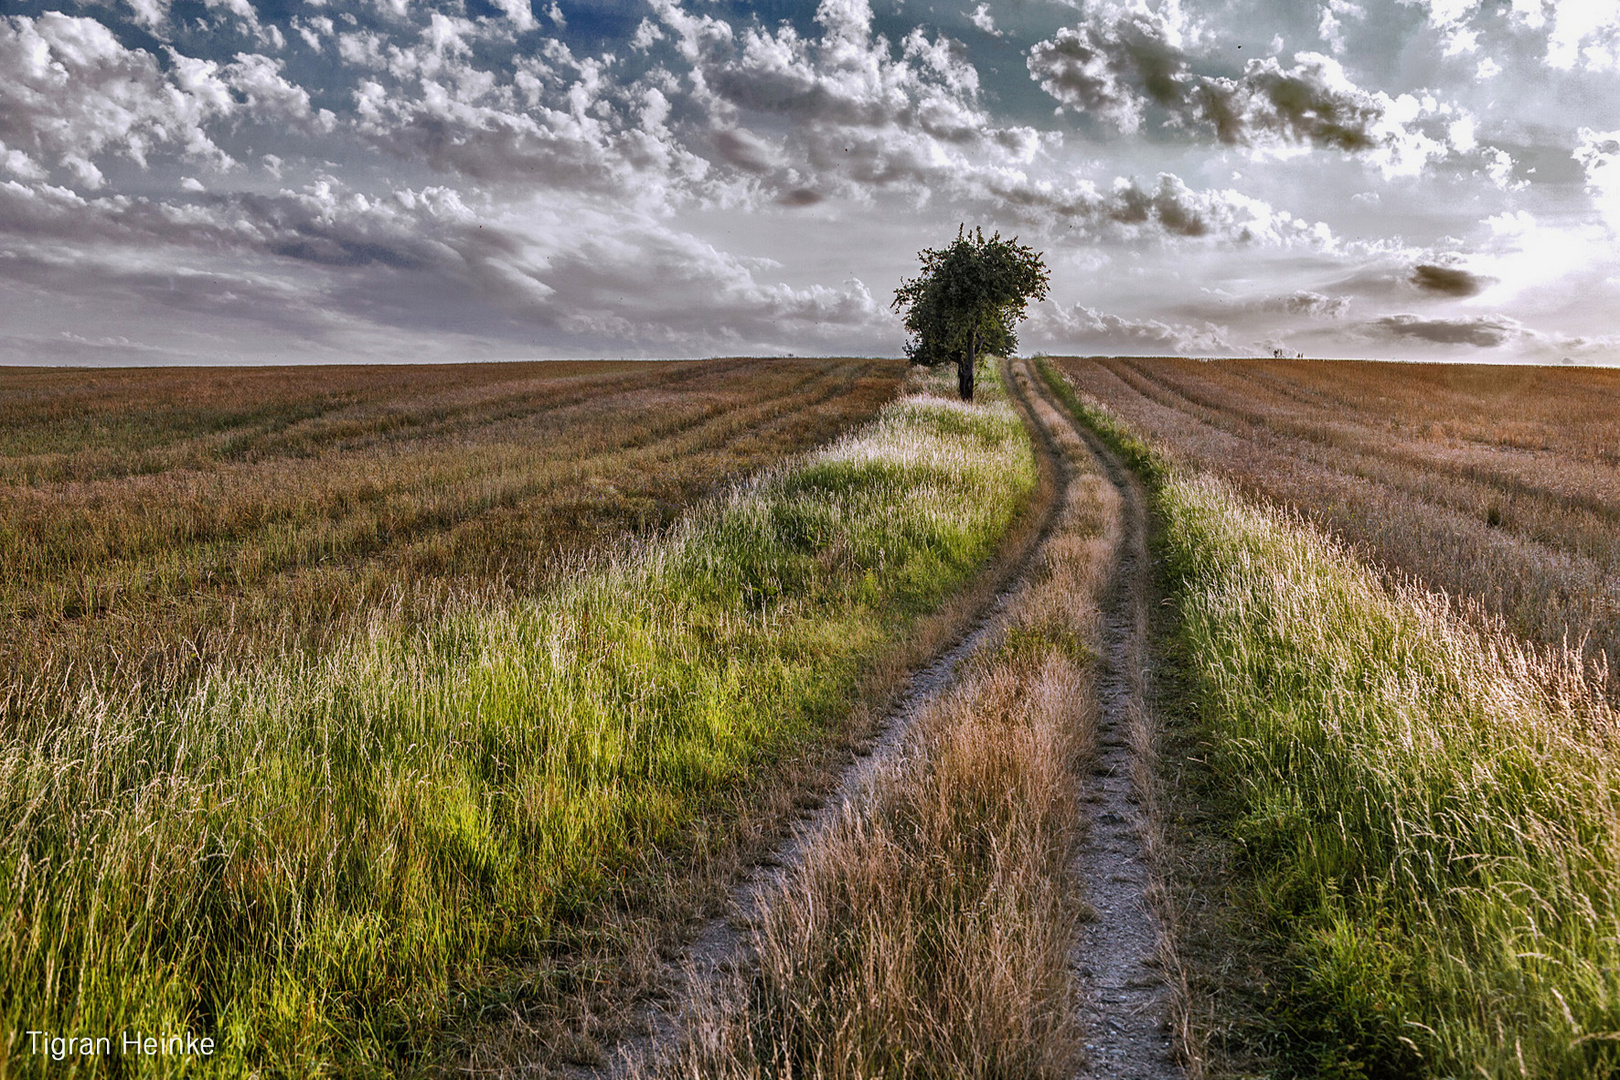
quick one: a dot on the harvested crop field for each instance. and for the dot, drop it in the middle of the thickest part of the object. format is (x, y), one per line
(155, 520)
(796, 718)
(1497, 484)
(453, 814)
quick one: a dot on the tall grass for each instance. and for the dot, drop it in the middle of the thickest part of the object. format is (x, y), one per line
(303, 856)
(1434, 810)
(154, 521)
(928, 933)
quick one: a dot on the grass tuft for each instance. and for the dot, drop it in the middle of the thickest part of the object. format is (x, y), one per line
(929, 931)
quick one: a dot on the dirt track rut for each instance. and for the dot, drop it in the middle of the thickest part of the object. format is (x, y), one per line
(1117, 959)
(721, 942)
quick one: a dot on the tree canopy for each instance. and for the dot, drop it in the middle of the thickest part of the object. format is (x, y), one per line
(968, 300)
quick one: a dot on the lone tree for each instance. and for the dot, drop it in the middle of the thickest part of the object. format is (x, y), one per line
(967, 300)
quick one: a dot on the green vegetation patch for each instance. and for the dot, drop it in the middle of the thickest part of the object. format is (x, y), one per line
(1432, 812)
(302, 858)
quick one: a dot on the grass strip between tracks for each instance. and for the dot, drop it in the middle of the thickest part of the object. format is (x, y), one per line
(928, 932)
(1429, 813)
(300, 858)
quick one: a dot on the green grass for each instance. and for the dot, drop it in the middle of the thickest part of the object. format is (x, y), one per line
(1435, 812)
(304, 857)
(1430, 813)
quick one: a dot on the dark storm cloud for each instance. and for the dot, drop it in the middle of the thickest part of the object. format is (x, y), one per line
(800, 197)
(1310, 103)
(1482, 331)
(1447, 280)
(1166, 211)
(744, 150)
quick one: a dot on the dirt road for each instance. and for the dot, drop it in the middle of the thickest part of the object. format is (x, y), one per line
(1124, 999)
(1119, 958)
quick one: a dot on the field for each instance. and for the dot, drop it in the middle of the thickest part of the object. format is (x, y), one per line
(1500, 485)
(310, 846)
(1409, 817)
(793, 718)
(153, 521)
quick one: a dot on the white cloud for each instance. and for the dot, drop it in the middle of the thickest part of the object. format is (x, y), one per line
(1116, 69)
(981, 17)
(1330, 26)
(647, 33)
(1598, 153)
(1078, 328)
(74, 96)
(1575, 34)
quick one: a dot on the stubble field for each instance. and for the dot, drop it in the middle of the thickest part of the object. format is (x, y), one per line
(155, 520)
(1497, 484)
(416, 721)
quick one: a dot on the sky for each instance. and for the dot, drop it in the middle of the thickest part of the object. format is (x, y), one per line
(288, 181)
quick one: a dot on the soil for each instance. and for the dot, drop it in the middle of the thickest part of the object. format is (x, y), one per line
(1126, 1000)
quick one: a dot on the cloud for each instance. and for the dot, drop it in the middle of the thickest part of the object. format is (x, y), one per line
(1330, 27)
(1081, 328)
(1481, 331)
(73, 96)
(499, 175)
(1119, 64)
(1573, 34)
(800, 197)
(423, 261)
(1167, 210)
(1598, 153)
(1314, 305)
(1113, 70)
(1313, 102)
(856, 113)
(744, 150)
(1447, 280)
(981, 18)
(559, 122)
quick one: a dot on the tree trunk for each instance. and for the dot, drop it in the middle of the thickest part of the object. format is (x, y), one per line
(964, 369)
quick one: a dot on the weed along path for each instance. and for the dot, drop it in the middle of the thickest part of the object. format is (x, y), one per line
(1122, 953)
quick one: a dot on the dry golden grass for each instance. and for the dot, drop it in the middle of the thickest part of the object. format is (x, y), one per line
(1500, 484)
(155, 520)
(928, 932)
